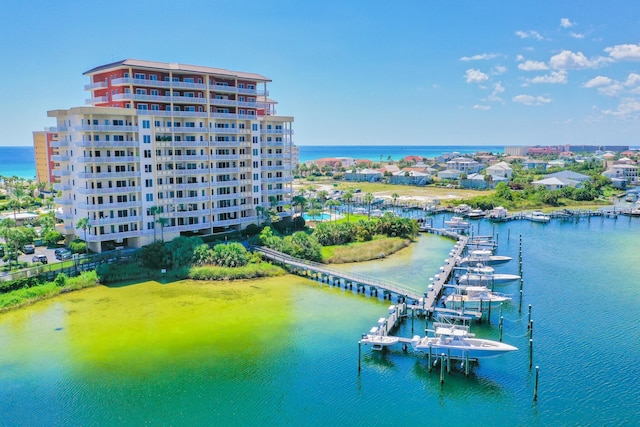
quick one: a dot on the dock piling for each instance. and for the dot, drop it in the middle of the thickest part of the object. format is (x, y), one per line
(500, 327)
(530, 353)
(442, 368)
(359, 353)
(535, 388)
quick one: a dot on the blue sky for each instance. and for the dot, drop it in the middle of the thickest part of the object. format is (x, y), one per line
(355, 73)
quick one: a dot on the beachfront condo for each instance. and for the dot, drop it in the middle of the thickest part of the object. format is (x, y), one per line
(164, 149)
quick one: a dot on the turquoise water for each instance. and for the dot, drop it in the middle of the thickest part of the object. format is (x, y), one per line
(320, 217)
(18, 161)
(285, 351)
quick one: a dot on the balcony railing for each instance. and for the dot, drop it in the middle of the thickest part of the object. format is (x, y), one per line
(105, 128)
(100, 144)
(112, 175)
(61, 172)
(110, 159)
(112, 190)
(99, 207)
(60, 158)
(95, 85)
(61, 201)
(115, 220)
(61, 187)
(96, 100)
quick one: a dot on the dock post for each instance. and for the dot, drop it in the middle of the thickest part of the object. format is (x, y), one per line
(489, 314)
(430, 358)
(520, 304)
(529, 318)
(448, 361)
(442, 368)
(535, 388)
(508, 233)
(466, 364)
(530, 353)
(500, 327)
(500, 310)
(413, 315)
(480, 310)
(359, 351)
(530, 328)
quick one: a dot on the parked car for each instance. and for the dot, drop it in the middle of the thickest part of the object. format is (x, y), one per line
(62, 254)
(40, 258)
(28, 249)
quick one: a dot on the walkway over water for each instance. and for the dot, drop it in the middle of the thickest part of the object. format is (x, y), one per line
(429, 297)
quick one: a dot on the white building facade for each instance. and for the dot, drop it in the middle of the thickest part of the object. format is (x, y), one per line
(169, 149)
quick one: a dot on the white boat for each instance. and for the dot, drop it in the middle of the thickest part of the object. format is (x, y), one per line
(482, 256)
(538, 216)
(456, 341)
(478, 243)
(457, 222)
(475, 298)
(462, 209)
(475, 214)
(377, 336)
(377, 339)
(483, 276)
(498, 214)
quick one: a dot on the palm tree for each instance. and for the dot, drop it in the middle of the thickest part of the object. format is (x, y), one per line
(154, 210)
(331, 204)
(394, 197)
(84, 224)
(368, 199)
(348, 197)
(17, 199)
(163, 222)
(261, 211)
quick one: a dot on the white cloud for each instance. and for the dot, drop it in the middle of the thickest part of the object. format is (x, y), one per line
(611, 90)
(475, 76)
(480, 57)
(566, 23)
(632, 79)
(529, 34)
(499, 69)
(554, 77)
(482, 107)
(598, 81)
(519, 58)
(567, 60)
(576, 35)
(531, 100)
(497, 89)
(532, 66)
(624, 51)
(628, 108)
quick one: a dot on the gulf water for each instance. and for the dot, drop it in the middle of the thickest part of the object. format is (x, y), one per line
(284, 351)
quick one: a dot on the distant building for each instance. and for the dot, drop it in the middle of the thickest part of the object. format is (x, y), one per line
(566, 174)
(555, 183)
(363, 175)
(449, 174)
(502, 169)
(464, 164)
(515, 150)
(44, 155)
(629, 173)
(538, 150)
(410, 177)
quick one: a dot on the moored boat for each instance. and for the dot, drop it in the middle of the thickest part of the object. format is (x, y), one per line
(538, 216)
(475, 298)
(457, 222)
(498, 214)
(456, 341)
(475, 214)
(482, 256)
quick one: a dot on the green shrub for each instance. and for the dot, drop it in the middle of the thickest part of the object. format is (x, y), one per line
(61, 279)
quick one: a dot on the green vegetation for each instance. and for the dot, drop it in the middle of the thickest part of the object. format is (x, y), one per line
(34, 290)
(379, 247)
(250, 271)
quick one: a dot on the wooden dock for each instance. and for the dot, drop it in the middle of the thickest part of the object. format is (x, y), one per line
(426, 301)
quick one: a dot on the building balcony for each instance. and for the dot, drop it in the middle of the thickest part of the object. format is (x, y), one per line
(111, 175)
(96, 100)
(120, 205)
(108, 144)
(187, 227)
(230, 131)
(181, 129)
(112, 190)
(95, 85)
(158, 83)
(64, 215)
(56, 129)
(115, 220)
(113, 236)
(110, 159)
(61, 187)
(234, 116)
(276, 131)
(172, 172)
(165, 113)
(61, 172)
(61, 201)
(105, 128)
(60, 158)
(59, 144)
(182, 143)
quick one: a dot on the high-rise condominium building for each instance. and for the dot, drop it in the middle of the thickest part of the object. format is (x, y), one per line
(44, 155)
(165, 149)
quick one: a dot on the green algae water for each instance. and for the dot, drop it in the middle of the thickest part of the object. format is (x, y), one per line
(284, 351)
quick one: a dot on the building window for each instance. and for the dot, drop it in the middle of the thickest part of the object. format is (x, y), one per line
(149, 197)
(146, 124)
(146, 139)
